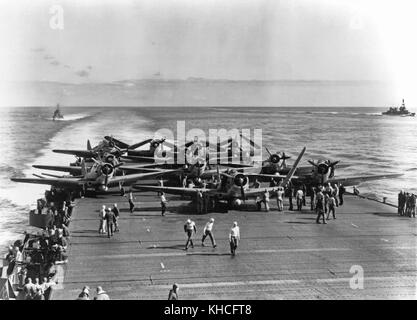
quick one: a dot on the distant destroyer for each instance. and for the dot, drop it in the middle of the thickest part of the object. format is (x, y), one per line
(402, 111)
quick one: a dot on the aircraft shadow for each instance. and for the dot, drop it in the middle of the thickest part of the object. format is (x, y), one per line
(83, 231)
(207, 254)
(387, 214)
(298, 222)
(89, 236)
(176, 246)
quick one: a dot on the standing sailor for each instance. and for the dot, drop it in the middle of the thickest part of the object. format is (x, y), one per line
(189, 229)
(102, 217)
(312, 198)
(280, 195)
(342, 191)
(234, 237)
(208, 231)
(290, 194)
(163, 203)
(116, 213)
(320, 206)
(131, 204)
(265, 199)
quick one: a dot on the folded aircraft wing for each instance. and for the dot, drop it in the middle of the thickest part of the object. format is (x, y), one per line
(259, 175)
(78, 153)
(354, 181)
(73, 170)
(172, 190)
(56, 182)
(137, 176)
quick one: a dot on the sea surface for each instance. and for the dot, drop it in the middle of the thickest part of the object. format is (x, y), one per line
(361, 137)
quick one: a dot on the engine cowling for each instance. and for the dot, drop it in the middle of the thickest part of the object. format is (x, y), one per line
(107, 169)
(323, 168)
(275, 158)
(155, 144)
(240, 180)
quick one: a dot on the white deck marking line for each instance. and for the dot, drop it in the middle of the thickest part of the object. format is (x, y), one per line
(181, 254)
(233, 283)
(369, 279)
(354, 225)
(177, 254)
(279, 282)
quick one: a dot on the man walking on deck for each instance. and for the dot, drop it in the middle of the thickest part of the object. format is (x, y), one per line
(131, 204)
(234, 237)
(163, 204)
(208, 231)
(189, 229)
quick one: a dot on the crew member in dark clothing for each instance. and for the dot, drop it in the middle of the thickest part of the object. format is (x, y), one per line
(131, 204)
(173, 293)
(110, 222)
(116, 213)
(304, 188)
(342, 191)
(320, 206)
(163, 204)
(272, 183)
(290, 195)
(312, 198)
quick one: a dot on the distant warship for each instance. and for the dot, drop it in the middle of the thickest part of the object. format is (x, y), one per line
(402, 111)
(57, 113)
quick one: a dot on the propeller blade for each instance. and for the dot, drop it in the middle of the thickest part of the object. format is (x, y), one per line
(253, 144)
(118, 165)
(334, 163)
(312, 163)
(139, 144)
(242, 192)
(270, 154)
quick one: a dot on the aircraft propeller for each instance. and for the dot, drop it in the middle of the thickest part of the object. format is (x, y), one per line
(240, 180)
(324, 167)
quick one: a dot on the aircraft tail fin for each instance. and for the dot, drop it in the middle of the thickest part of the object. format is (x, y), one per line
(89, 145)
(293, 169)
(118, 143)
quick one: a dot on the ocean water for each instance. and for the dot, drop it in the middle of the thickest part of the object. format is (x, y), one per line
(361, 137)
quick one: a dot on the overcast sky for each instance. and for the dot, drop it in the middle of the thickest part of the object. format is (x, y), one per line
(104, 41)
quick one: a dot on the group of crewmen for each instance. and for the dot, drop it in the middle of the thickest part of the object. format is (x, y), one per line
(323, 198)
(100, 294)
(109, 218)
(190, 229)
(407, 204)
